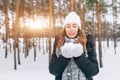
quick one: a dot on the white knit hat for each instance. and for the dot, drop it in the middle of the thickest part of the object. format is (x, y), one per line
(72, 17)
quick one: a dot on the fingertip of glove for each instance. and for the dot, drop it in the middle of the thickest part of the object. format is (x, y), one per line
(75, 58)
(64, 57)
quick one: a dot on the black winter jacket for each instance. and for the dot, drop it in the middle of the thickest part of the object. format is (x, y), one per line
(88, 65)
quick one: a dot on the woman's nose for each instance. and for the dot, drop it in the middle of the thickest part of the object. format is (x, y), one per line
(71, 28)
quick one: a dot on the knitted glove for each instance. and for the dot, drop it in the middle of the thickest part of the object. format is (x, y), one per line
(78, 50)
(67, 50)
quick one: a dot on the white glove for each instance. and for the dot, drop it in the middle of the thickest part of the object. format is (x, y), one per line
(67, 50)
(78, 50)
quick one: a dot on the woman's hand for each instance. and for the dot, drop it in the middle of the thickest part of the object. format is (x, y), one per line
(67, 50)
(78, 50)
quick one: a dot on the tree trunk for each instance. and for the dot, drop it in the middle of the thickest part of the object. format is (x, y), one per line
(60, 12)
(50, 25)
(34, 45)
(82, 15)
(15, 62)
(93, 28)
(108, 35)
(114, 24)
(15, 33)
(18, 49)
(7, 30)
(72, 5)
(99, 32)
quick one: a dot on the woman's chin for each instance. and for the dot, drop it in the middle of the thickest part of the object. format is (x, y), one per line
(71, 36)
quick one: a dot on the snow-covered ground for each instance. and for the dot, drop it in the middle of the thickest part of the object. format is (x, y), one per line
(30, 70)
(111, 64)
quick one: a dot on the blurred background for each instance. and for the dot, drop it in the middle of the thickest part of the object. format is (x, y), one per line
(28, 28)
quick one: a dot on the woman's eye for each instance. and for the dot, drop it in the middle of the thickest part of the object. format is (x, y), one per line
(74, 26)
(67, 26)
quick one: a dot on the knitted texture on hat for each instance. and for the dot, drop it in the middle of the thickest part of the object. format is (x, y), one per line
(72, 17)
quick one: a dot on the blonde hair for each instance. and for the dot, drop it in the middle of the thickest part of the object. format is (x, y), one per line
(60, 37)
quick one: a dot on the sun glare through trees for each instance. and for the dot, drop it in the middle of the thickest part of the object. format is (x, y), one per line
(34, 23)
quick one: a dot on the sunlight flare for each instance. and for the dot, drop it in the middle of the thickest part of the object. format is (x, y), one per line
(34, 23)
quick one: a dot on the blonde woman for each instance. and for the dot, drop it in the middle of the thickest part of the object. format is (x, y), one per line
(74, 56)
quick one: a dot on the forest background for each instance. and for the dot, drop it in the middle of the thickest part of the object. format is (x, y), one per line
(27, 24)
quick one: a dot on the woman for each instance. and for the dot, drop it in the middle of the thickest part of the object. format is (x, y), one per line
(74, 56)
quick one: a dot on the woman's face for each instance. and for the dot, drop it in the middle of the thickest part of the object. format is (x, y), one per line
(71, 30)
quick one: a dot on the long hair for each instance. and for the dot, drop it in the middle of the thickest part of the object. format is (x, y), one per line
(60, 38)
